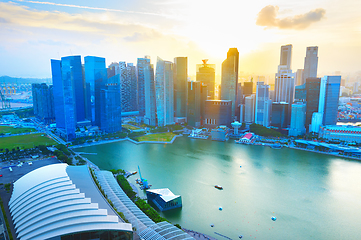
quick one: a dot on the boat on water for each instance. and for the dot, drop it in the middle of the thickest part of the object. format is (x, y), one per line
(218, 187)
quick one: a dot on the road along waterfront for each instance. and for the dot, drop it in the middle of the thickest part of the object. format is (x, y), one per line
(313, 196)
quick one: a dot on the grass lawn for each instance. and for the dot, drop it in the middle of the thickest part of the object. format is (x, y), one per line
(25, 141)
(12, 130)
(163, 137)
(130, 127)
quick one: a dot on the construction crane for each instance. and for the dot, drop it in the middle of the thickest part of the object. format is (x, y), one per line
(5, 103)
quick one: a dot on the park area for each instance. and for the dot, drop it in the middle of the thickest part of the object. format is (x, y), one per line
(157, 137)
(25, 141)
(11, 130)
(130, 127)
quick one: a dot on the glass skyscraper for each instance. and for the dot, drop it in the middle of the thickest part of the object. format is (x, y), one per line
(95, 73)
(263, 105)
(311, 62)
(69, 94)
(312, 98)
(298, 117)
(128, 82)
(149, 96)
(194, 104)
(329, 96)
(110, 106)
(206, 73)
(180, 82)
(142, 63)
(230, 79)
(164, 92)
(43, 102)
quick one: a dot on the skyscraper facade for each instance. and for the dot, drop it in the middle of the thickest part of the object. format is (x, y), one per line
(285, 81)
(263, 105)
(247, 89)
(180, 81)
(217, 112)
(206, 73)
(312, 98)
(311, 63)
(329, 96)
(110, 106)
(149, 96)
(298, 118)
(300, 93)
(164, 92)
(280, 115)
(128, 87)
(230, 78)
(43, 102)
(249, 109)
(95, 73)
(299, 79)
(142, 63)
(194, 104)
(69, 99)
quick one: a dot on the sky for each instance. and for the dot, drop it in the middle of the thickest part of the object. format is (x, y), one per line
(33, 32)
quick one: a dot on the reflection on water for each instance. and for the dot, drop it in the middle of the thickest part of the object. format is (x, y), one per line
(314, 196)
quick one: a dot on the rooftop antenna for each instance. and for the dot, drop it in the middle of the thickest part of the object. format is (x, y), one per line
(70, 52)
(205, 61)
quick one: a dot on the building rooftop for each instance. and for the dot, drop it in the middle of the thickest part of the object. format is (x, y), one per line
(59, 199)
(164, 193)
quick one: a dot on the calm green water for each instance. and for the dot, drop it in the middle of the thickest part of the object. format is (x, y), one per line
(313, 196)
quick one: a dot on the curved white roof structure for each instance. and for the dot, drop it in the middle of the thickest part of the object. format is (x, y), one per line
(59, 199)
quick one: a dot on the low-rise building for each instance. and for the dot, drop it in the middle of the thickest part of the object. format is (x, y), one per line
(164, 199)
(341, 132)
(220, 133)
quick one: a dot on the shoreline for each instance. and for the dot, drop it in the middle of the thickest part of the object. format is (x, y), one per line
(330, 154)
(123, 139)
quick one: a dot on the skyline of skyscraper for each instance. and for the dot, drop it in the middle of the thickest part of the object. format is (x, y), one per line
(149, 96)
(110, 106)
(206, 73)
(311, 63)
(142, 63)
(229, 78)
(95, 73)
(263, 105)
(164, 92)
(180, 81)
(298, 118)
(69, 100)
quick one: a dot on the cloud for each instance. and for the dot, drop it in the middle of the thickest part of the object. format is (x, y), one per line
(139, 37)
(267, 17)
(96, 8)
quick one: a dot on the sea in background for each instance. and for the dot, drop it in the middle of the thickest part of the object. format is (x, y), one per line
(313, 196)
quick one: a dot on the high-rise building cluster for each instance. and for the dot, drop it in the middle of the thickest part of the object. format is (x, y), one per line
(92, 93)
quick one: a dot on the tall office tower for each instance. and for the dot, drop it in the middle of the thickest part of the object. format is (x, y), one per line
(110, 105)
(128, 87)
(43, 102)
(311, 62)
(149, 96)
(164, 92)
(329, 96)
(298, 118)
(263, 105)
(69, 99)
(95, 72)
(194, 104)
(142, 63)
(299, 80)
(180, 81)
(239, 94)
(204, 98)
(249, 105)
(217, 112)
(247, 89)
(312, 98)
(230, 78)
(285, 82)
(300, 93)
(286, 56)
(280, 115)
(206, 73)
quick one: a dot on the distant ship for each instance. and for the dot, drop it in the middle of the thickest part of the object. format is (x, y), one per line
(219, 187)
